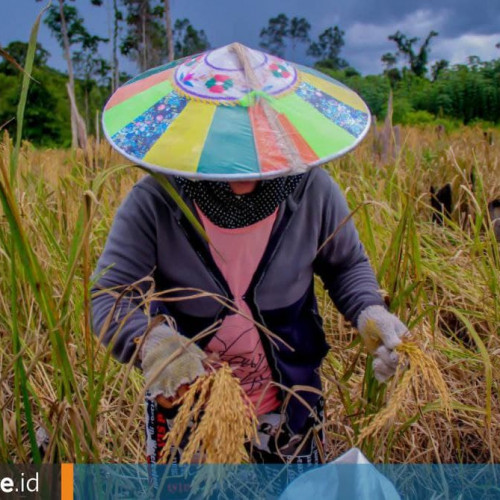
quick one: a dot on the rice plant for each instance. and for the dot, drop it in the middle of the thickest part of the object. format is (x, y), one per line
(64, 398)
(441, 280)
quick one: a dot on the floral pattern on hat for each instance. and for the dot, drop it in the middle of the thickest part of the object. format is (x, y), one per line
(350, 119)
(219, 76)
(279, 70)
(137, 138)
(219, 84)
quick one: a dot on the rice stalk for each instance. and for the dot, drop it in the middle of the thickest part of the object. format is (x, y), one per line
(219, 417)
(447, 288)
(423, 373)
(21, 384)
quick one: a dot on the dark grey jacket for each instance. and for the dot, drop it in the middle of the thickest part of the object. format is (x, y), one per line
(150, 237)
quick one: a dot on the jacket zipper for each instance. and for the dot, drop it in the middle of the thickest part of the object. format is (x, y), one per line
(267, 345)
(259, 275)
(207, 260)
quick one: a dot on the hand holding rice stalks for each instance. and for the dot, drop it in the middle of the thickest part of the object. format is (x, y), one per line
(382, 332)
(222, 420)
(422, 375)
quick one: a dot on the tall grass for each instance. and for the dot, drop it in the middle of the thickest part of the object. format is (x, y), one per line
(57, 207)
(52, 222)
(441, 280)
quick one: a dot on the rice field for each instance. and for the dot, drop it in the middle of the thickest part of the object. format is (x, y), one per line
(59, 386)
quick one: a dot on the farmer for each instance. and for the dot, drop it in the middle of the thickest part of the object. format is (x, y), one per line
(251, 288)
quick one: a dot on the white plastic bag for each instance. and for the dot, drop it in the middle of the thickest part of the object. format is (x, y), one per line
(351, 477)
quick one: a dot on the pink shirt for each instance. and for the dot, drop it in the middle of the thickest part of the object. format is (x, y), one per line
(237, 341)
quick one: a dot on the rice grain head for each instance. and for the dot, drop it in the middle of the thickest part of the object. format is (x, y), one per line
(422, 375)
(222, 420)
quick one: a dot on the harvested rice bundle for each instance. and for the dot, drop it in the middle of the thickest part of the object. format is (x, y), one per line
(220, 419)
(423, 374)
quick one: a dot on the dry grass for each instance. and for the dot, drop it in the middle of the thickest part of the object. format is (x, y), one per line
(442, 281)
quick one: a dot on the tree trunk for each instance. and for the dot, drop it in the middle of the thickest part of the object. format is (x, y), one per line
(168, 25)
(81, 130)
(87, 107)
(71, 85)
(78, 134)
(145, 58)
(115, 78)
(67, 53)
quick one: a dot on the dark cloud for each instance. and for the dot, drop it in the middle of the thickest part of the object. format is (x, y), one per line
(462, 15)
(367, 24)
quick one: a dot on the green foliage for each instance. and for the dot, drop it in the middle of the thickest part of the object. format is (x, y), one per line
(417, 118)
(18, 51)
(279, 29)
(47, 112)
(389, 60)
(402, 109)
(465, 92)
(438, 67)
(298, 31)
(47, 93)
(144, 41)
(417, 59)
(327, 49)
(77, 32)
(272, 38)
(461, 93)
(188, 40)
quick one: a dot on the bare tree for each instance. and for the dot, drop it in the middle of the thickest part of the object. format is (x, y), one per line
(117, 17)
(71, 85)
(168, 26)
(68, 28)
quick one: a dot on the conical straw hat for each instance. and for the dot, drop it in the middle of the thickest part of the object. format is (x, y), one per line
(234, 113)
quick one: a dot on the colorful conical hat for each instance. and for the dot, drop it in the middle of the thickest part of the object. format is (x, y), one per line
(234, 113)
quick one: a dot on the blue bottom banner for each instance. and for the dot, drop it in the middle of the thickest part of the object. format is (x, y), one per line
(287, 482)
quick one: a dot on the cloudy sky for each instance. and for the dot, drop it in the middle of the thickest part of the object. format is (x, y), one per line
(466, 27)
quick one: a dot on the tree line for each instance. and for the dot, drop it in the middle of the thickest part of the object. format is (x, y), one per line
(143, 32)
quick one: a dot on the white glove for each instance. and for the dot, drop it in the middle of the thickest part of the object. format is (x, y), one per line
(165, 379)
(376, 325)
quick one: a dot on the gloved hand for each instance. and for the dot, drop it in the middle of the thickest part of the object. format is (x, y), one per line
(382, 332)
(166, 379)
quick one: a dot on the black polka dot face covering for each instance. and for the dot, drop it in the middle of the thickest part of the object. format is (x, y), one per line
(228, 210)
